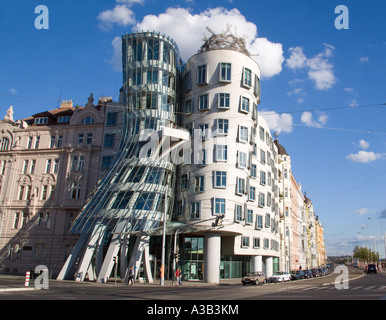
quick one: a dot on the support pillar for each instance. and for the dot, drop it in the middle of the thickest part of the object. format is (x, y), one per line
(269, 266)
(257, 263)
(212, 256)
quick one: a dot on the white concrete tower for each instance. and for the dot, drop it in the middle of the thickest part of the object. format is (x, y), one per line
(228, 184)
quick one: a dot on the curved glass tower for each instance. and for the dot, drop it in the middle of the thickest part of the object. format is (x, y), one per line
(130, 199)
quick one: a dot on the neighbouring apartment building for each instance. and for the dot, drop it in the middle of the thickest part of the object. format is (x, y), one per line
(84, 186)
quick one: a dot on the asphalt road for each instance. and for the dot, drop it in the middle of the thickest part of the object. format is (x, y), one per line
(360, 287)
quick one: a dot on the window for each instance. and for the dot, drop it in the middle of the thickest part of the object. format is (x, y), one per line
(262, 178)
(201, 157)
(145, 201)
(247, 77)
(44, 192)
(249, 218)
(257, 86)
(80, 138)
(60, 140)
(21, 192)
(74, 190)
(203, 102)
(253, 171)
(220, 179)
(25, 167)
(195, 210)
(225, 72)
(74, 163)
(243, 134)
(89, 138)
(41, 120)
(152, 77)
(238, 213)
(242, 163)
(37, 142)
(29, 144)
(252, 193)
(261, 200)
(261, 132)
(256, 243)
(221, 152)
(259, 222)
(267, 220)
(201, 75)
(56, 165)
(244, 104)
(240, 186)
(16, 220)
(244, 242)
(87, 120)
(153, 49)
(184, 181)
(188, 105)
(106, 161)
(32, 168)
(204, 131)
(187, 82)
(64, 119)
(223, 100)
(262, 156)
(266, 243)
(112, 119)
(4, 143)
(109, 141)
(48, 166)
(52, 142)
(219, 206)
(154, 176)
(199, 184)
(222, 126)
(80, 163)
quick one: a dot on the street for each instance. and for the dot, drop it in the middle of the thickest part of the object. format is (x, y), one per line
(360, 287)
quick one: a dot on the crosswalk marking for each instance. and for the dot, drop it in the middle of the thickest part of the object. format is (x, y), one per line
(350, 288)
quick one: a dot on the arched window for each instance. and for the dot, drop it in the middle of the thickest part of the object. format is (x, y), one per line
(4, 143)
(88, 120)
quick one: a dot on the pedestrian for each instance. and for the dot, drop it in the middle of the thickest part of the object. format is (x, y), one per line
(131, 276)
(178, 277)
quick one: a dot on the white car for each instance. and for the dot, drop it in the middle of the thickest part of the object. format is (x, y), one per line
(280, 276)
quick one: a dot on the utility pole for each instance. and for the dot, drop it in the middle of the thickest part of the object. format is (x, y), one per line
(164, 241)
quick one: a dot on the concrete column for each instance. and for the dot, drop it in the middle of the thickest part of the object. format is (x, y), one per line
(257, 263)
(269, 266)
(212, 256)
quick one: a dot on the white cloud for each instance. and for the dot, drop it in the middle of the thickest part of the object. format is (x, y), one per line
(363, 144)
(277, 122)
(320, 69)
(121, 15)
(188, 30)
(116, 60)
(364, 59)
(353, 103)
(12, 91)
(364, 156)
(308, 120)
(362, 211)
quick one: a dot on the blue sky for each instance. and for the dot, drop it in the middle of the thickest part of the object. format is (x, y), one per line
(322, 87)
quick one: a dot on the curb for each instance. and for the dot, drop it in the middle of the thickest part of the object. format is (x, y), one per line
(17, 289)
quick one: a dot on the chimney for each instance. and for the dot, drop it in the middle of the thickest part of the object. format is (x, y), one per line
(66, 104)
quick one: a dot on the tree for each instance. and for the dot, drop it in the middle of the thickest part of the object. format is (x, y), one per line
(365, 254)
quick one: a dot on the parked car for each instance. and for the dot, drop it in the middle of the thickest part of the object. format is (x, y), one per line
(307, 274)
(280, 276)
(296, 275)
(315, 273)
(321, 272)
(371, 268)
(254, 278)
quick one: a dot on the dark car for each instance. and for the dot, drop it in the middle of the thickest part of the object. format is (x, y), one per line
(307, 274)
(315, 273)
(371, 268)
(322, 272)
(296, 275)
